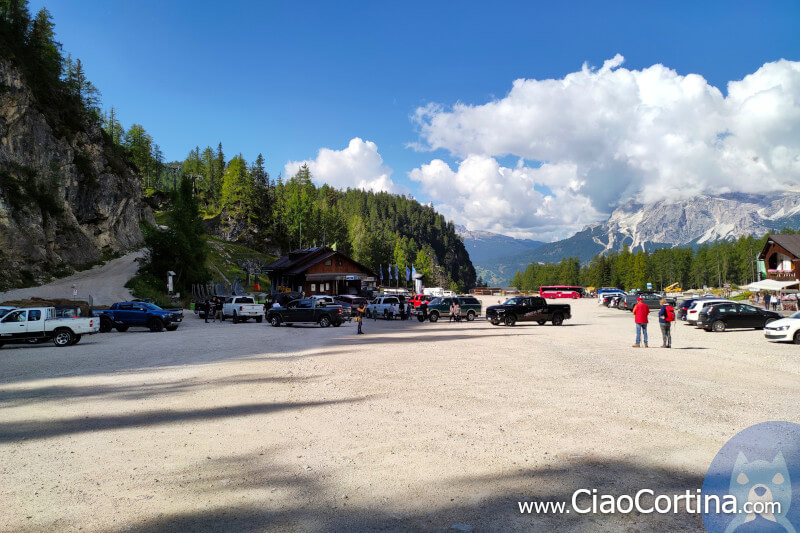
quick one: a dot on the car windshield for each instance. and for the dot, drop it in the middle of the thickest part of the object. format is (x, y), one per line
(3, 312)
(152, 307)
(796, 315)
(513, 301)
(436, 301)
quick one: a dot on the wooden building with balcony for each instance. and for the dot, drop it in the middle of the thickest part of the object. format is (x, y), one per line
(319, 270)
(781, 257)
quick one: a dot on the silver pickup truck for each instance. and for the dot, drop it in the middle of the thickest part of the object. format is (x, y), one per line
(35, 324)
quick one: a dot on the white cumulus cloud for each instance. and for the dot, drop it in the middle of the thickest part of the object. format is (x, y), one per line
(359, 166)
(647, 134)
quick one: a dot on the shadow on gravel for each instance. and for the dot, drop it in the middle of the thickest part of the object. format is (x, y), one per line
(484, 503)
(17, 431)
(135, 391)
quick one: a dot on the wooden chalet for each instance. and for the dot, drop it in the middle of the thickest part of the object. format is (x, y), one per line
(781, 257)
(319, 270)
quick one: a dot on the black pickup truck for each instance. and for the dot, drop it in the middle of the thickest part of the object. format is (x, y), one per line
(308, 311)
(528, 309)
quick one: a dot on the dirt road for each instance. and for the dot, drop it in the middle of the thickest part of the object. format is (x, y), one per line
(105, 283)
(412, 426)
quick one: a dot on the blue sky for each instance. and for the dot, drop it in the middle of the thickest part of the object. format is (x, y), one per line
(287, 79)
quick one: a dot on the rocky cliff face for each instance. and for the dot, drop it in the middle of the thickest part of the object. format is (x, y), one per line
(64, 202)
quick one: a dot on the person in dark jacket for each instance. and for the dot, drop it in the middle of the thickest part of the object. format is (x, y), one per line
(206, 309)
(665, 319)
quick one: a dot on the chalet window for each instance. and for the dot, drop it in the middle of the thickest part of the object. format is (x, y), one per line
(328, 262)
(313, 287)
(338, 262)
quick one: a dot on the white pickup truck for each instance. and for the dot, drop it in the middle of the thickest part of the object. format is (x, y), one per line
(240, 308)
(34, 324)
(383, 306)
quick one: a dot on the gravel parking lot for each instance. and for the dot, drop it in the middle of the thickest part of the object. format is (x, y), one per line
(411, 426)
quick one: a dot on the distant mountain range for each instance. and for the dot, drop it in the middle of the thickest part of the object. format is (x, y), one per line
(702, 219)
(495, 256)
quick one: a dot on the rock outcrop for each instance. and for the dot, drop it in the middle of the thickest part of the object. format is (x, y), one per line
(66, 201)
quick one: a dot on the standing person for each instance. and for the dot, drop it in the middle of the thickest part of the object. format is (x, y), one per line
(775, 300)
(640, 312)
(408, 310)
(424, 310)
(766, 301)
(458, 312)
(218, 309)
(666, 316)
(206, 309)
(452, 310)
(402, 310)
(360, 317)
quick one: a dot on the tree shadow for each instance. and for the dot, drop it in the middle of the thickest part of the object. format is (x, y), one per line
(136, 391)
(26, 430)
(484, 503)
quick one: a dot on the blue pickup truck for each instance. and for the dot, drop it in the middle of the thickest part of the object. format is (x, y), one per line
(124, 315)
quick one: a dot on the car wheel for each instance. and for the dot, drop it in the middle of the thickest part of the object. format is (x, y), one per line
(558, 319)
(434, 317)
(235, 318)
(275, 321)
(510, 320)
(386, 314)
(718, 326)
(470, 316)
(324, 322)
(155, 325)
(495, 322)
(541, 322)
(63, 337)
(105, 325)
(259, 319)
(76, 340)
(421, 318)
(796, 337)
(122, 329)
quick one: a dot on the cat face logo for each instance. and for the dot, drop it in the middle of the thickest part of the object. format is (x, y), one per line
(758, 471)
(761, 482)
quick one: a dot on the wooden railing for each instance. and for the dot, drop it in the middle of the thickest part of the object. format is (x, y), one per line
(779, 275)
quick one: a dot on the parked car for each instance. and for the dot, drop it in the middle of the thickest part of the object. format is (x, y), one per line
(722, 316)
(694, 310)
(306, 311)
(528, 308)
(350, 303)
(784, 329)
(383, 306)
(602, 293)
(651, 299)
(440, 307)
(242, 308)
(34, 324)
(417, 299)
(615, 301)
(124, 315)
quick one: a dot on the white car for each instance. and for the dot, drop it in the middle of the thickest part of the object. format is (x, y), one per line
(784, 329)
(385, 306)
(241, 308)
(693, 313)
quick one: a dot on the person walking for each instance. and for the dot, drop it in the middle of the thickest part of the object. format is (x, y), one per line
(360, 317)
(402, 310)
(458, 312)
(775, 301)
(640, 312)
(766, 301)
(666, 316)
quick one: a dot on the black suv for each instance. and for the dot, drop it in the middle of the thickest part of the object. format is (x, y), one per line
(722, 316)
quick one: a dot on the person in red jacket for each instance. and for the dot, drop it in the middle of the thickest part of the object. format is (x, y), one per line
(640, 312)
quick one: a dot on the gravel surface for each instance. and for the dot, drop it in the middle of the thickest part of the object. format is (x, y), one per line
(104, 283)
(412, 426)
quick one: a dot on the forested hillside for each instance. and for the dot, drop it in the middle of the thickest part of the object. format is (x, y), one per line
(725, 261)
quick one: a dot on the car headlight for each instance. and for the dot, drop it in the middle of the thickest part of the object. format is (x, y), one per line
(781, 328)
